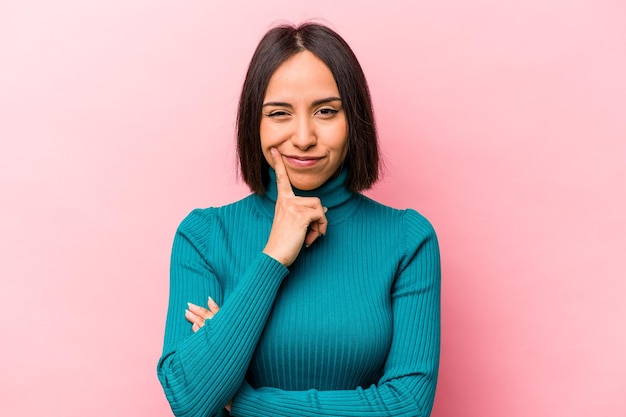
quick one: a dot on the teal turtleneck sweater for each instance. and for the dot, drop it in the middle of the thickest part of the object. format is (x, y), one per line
(350, 329)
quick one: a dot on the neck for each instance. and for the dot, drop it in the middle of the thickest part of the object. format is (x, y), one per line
(333, 192)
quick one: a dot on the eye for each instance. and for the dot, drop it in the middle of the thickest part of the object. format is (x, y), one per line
(277, 114)
(326, 112)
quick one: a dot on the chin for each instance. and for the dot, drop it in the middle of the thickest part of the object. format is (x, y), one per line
(305, 185)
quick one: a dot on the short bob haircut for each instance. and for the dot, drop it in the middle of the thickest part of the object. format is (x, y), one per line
(278, 45)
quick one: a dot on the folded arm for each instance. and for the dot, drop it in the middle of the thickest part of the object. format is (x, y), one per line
(407, 386)
(200, 372)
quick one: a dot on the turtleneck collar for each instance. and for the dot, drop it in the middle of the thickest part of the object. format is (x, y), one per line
(333, 193)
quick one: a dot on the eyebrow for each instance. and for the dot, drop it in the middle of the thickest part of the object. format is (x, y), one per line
(315, 103)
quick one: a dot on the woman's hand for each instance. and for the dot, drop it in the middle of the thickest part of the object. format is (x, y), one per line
(196, 315)
(297, 220)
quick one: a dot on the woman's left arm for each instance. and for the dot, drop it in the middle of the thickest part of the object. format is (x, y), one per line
(407, 386)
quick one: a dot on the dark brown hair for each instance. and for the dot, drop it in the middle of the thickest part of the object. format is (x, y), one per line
(278, 45)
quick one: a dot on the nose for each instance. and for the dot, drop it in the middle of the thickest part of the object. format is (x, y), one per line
(304, 134)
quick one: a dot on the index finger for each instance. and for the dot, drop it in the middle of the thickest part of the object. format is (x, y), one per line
(282, 178)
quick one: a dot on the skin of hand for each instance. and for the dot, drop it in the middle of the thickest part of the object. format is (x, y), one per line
(196, 315)
(297, 220)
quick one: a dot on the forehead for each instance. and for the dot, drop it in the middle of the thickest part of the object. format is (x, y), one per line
(303, 74)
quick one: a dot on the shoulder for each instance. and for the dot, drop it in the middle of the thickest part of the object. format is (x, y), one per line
(412, 227)
(198, 221)
(421, 245)
(418, 225)
(415, 240)
(409, 218)
(202, 221)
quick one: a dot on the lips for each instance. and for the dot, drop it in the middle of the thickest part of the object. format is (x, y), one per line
(301, 161)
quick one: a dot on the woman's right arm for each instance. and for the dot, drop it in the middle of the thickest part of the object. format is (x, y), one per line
(200, 372)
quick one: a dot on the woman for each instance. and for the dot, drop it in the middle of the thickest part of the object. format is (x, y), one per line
(319, 301)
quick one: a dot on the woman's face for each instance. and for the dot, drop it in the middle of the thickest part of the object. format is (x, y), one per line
(303, 119)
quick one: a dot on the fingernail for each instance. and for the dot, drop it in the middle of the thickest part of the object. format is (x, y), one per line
(325, 209)
(306, 245)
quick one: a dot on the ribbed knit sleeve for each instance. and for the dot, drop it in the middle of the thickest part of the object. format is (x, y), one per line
(200, 372)
(407, 386)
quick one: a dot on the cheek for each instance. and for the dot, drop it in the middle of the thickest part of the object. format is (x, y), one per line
(271, 135)
(344, 151)
(267, 155)
(341, 139)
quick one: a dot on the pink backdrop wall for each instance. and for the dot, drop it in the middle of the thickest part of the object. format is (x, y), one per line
(504, 122)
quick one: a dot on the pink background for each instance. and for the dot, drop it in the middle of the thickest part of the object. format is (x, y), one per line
(504, 122)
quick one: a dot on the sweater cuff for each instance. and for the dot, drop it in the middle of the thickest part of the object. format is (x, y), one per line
(265, 265)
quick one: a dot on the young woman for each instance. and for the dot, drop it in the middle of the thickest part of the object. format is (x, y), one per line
(305, 298)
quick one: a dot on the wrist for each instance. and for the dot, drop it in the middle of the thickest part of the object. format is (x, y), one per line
(276, 257)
